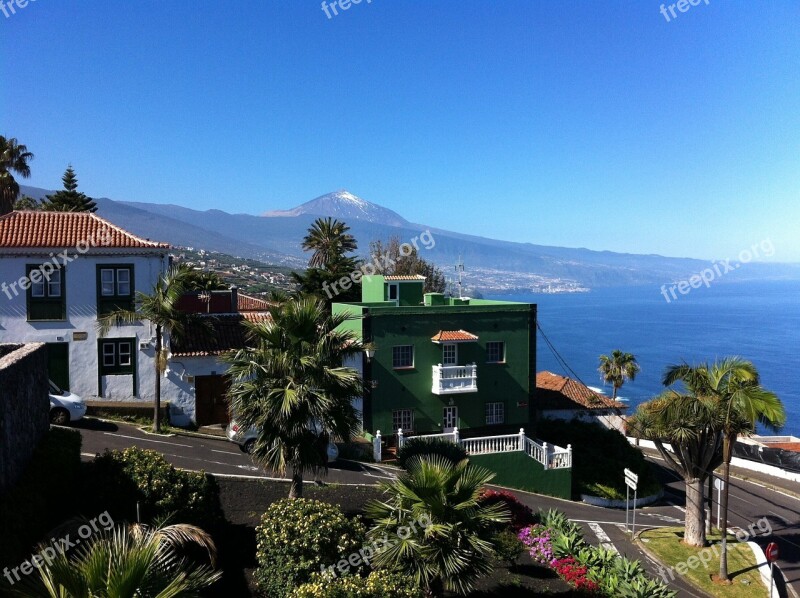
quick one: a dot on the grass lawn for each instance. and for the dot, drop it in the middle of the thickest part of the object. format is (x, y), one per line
(667, 544)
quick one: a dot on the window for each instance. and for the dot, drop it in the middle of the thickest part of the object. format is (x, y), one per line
(495, 413)
(46, 297)
(403, 356)
(116, 356)
(394, 292)
(449, 354)
(114, 288)
(495, 352)
(403, 419)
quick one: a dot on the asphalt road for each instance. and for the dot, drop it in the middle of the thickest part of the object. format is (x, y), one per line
(750, 501)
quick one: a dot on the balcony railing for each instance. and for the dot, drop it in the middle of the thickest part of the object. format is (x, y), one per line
(453, 379)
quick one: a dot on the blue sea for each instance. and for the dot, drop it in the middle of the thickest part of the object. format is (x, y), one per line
(759, 321)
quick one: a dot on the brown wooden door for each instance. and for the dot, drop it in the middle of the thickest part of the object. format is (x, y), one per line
(211, 402)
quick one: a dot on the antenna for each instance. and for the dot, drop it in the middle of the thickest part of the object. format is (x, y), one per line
(460, 272)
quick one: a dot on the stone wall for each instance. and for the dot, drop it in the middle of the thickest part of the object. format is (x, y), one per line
(24, 407)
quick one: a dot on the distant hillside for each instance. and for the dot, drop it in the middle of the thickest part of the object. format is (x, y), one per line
(275, 237)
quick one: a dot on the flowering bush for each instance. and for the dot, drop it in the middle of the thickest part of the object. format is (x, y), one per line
(378, 584)
(538, 540)
(574, 574)
(298, 537)
(521, 515)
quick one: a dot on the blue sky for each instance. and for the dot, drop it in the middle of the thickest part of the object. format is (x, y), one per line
(582, 124)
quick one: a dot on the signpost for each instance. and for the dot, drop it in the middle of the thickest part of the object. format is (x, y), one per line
(719, 484)
(631, 481)
(772, 554)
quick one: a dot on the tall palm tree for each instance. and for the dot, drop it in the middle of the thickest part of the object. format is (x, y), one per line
(292, 386)
(14, 157)
(455, 547)
(160, 307)
(329, 240)
(134, 561)
(692, 426)
(734, 384)
(618, 368)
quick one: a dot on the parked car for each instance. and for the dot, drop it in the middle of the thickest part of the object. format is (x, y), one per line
(65, 407)
(246, 439)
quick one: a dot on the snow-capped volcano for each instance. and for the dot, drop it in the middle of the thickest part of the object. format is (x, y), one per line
(343, 205)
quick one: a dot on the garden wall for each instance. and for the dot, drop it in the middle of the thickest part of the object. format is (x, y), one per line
(517, 470)
(24, 407)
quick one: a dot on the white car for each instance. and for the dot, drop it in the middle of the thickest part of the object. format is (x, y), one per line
(246, 439)
(65, 407)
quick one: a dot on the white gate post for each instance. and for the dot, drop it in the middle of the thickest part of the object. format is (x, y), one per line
(569, 455)
(546, 450)
(455, 435)
(521, 439)
(399, 438)
(376, 448)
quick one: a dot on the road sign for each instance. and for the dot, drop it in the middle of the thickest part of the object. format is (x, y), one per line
(719, 484)
(629, 475)
(772, 552)
(630, 483)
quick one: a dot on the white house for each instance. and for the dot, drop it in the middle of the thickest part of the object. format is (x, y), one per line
(58, 271)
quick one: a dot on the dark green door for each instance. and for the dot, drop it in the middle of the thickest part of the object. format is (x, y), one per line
(58, 364)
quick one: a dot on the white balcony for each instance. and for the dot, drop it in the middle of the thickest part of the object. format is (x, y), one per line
(454, 379)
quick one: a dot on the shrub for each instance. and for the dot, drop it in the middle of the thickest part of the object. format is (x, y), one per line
(118, 480)
(41, 497)
(378, 584)
(521, 515)
(508, 547)
(437, 446)
(538, 540)
(575, 575)
(298, 537)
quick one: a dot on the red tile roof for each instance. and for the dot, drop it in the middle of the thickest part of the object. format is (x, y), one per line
(453, 336)
(226, 332)
(559, 392)
(404, 277)
(66, 229)
(248, 303)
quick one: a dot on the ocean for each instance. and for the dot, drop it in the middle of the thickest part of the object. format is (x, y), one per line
(759, 321)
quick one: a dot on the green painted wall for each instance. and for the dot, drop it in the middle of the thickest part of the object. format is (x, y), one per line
(410, 293)
(509, 383)
(372, 288)
(518, 470)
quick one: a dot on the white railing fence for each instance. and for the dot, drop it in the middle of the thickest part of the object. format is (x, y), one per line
(549, 455)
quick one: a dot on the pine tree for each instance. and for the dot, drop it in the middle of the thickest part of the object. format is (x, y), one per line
(69, 199)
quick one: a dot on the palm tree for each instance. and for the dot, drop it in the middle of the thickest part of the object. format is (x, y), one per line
(692, 426)
(134, 561)
(161, 308)
(618, 368)
(329, 240)
(291, 385)
(455, 547)
(734, 384)
(14, 157)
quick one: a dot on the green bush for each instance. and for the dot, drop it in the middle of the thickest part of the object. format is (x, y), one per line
(437, 446)
(118, 480)
(598, 457)
(378, 584)
(298, 537)
(41, 498)
(508, 547)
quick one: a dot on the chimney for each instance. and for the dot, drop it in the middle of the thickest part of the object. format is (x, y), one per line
(234, 299)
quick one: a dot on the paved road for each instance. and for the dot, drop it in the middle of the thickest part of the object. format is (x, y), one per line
(750, 501)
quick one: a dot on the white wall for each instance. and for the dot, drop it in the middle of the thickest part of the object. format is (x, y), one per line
(177, 389)
(81, 299)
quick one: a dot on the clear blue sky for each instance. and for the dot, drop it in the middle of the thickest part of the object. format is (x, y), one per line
(583, 124)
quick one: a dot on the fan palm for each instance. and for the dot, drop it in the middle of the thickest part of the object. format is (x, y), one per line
(734, 384)
(160, 307)
(292, 386)
(618, 368)
(134, 561)
(14, 158)
(692, 426)
(455, 547)
(329, 240)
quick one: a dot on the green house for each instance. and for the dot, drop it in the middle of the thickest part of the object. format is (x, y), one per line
(442, 362)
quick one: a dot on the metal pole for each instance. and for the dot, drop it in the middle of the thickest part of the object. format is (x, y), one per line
(719, 505)
(627, 502)
(771, 577)
(633, 532)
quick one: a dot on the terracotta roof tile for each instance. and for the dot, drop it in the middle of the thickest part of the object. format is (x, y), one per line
(66, 229)
(445, 336)
(227, 332)
(559, 392)
(407, 277)
(248, 303)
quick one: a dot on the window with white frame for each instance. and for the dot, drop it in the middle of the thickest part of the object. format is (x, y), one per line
(495, 352)
(114, 288)
(403, 356)
(403, 419)
(450, 354)
(495, 413)
(46, 297)
(116, 355)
